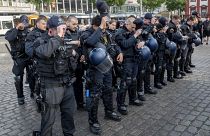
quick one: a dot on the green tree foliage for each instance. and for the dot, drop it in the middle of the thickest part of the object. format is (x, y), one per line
(175, 4)
(152, 4)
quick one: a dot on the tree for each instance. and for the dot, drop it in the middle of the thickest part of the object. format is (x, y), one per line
(173, 5)
(152, 4)
(38, 3)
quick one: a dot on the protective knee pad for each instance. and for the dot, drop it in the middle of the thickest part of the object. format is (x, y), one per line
(128, 81)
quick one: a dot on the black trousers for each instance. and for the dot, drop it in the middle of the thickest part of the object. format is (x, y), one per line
(100, 85)
(57, 95)
(18, 71)
(78, 87)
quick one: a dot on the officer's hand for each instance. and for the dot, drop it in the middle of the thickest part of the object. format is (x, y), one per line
(120, 58)
(20, 26)
(61, 29)
(137, 33)
(103, 23)
(140, 45)
(76, 43)
(82, 58)
(185, 37)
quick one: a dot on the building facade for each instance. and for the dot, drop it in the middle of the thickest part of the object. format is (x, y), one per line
(201, 6)
(15, 7)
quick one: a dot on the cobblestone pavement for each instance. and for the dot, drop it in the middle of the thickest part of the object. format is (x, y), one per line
(181, 108)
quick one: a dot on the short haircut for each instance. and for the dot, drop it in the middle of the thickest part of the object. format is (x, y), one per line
(175, 17)
(130, 19)
(112, 21)
(190, 19)
(64, 18)
(96, 20)
(41, 17)
(70, 17)
(16, 21)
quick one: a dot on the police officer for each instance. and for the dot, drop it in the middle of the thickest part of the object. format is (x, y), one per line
(141, 64)
(187, 31)
(73, 34)
(126, 38)
(179, 40)
(116, 69)
(149, 26)
(56, 62)
(16, 37)
(100, 83)
(30, 45)
(172, 36)
(160, 58)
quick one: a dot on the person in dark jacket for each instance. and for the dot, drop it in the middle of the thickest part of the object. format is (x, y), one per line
(30, 45)
(126, 38)
(100, 84)
(55, 65)
(16, 38)
(73, 34)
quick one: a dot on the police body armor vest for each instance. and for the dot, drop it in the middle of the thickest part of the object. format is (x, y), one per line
(161, 38)
(129, 52)
(18, 47)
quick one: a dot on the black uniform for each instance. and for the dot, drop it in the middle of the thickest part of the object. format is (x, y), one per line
(100, 84)
(187, 30)
(55, 65)
(30, 45)
(16, 39)
(127, 43)
(78, 87)
(160, 59)
(171, 32)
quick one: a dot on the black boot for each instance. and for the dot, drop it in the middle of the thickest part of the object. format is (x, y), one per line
(157, 79)
(192, 66)
(132, 94)
(158, 86)
(188, 70)
(122, 109)
(141, 98)
(19, 88)
(111, 115)
(36, 133)
(182, 73)
(170, 79)
(178, 75)
(95, 128)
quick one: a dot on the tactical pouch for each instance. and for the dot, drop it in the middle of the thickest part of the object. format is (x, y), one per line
(112, 52)
(60, 66)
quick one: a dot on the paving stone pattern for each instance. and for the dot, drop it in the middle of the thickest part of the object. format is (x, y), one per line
(180, 109)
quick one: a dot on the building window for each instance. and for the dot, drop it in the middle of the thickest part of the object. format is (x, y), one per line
(203, 11)
(192, 9)
(192, 0)
(7, 24)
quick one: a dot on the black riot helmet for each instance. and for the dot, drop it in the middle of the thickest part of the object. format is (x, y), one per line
(101, 60)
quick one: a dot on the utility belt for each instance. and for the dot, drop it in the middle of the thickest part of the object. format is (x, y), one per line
(47, 82)
(132, 58)
(17, 54)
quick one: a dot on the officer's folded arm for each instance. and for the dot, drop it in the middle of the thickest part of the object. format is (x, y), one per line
(46, 50)
(11, 35)
(94, 38)
(127, 43)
